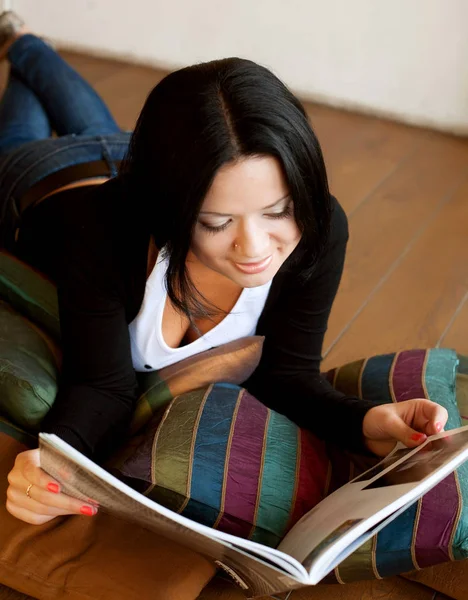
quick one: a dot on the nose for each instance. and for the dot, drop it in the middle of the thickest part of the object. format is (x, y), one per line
(252, 242)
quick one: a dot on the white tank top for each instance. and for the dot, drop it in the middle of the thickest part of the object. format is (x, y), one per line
(149, 350)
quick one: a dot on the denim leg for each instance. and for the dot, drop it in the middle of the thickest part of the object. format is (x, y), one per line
(72, 104)
(22, 116)
(23, 167)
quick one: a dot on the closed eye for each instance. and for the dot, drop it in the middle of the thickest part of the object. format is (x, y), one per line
(214, 228)
(284, 214)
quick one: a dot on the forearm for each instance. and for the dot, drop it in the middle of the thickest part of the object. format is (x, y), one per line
(92, 421)
(313, 404)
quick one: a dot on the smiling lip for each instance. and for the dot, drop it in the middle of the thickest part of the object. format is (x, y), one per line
(256, 267)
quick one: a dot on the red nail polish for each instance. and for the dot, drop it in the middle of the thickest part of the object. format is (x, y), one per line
(53, 487)
(416, 437)
(88, 511)
(438, 427)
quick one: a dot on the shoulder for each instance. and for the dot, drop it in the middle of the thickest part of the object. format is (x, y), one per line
(339, 232)
(102, 235)
(85, 213)
(288, 284)
(335, 246)
(332, 258)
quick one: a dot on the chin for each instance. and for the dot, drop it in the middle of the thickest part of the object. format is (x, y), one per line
(250, 281)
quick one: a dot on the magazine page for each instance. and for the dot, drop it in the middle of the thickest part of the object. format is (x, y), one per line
(348, 517)
(257, 569)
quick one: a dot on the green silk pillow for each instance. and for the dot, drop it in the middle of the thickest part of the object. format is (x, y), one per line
(30, 293)
(29, 365)
(29, 355)
(10, 431)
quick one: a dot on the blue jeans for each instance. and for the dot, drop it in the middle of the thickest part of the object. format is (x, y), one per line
(44, 94)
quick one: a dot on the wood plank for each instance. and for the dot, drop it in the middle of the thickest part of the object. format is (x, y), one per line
(91, 68)
(357, 168)
(383, 227)
(4, 70)
(126, 90)
(456, 335)
(333, 127)
(414, 305)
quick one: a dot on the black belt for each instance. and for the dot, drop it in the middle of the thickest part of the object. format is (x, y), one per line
(47, 185)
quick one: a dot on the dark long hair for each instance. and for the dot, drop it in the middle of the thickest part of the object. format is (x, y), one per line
(195, 121)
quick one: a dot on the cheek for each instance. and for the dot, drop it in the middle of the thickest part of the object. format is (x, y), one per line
(210, 247)
(288, 233)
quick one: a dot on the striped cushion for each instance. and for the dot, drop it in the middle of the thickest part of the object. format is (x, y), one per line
(220, 457)
(233, 362)
(462, 388)
(435, 529)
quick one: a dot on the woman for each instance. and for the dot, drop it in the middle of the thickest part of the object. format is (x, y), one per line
(219, 225)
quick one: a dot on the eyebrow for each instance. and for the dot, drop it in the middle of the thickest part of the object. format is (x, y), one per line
(207, 212)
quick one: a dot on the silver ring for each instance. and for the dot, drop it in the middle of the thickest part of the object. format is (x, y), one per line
(28, 491)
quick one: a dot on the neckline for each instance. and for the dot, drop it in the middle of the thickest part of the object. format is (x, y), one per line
(203, 337)
(158, 274)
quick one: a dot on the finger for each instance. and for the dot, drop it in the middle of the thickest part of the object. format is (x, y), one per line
(29, 504)
(45, 503)
(26, 515)
(17, 479)
(33, 473)
(29, 516)
(396, 428)
(438, 420)
(429, 417)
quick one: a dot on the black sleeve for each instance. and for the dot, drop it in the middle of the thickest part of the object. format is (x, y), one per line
(97, 388)
(288, 377)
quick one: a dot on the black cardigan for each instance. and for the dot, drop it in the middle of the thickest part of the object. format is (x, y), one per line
(94, 244)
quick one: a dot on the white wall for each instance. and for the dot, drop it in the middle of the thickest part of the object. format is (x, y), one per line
(403, 58)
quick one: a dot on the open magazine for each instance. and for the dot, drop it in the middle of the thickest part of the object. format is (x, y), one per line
(324, 537)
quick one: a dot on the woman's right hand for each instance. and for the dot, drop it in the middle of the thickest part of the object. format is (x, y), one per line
(45, 501)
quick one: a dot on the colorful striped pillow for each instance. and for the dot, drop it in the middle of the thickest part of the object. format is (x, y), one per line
(462, 388)
(435, 529)
(220, 457)
(233, 362)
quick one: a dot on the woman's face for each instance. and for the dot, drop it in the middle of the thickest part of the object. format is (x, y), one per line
(246, 227)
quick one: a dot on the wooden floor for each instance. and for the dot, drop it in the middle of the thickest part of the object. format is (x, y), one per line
(406, 193)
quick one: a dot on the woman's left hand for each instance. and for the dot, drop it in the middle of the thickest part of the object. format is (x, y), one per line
(409, 422)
